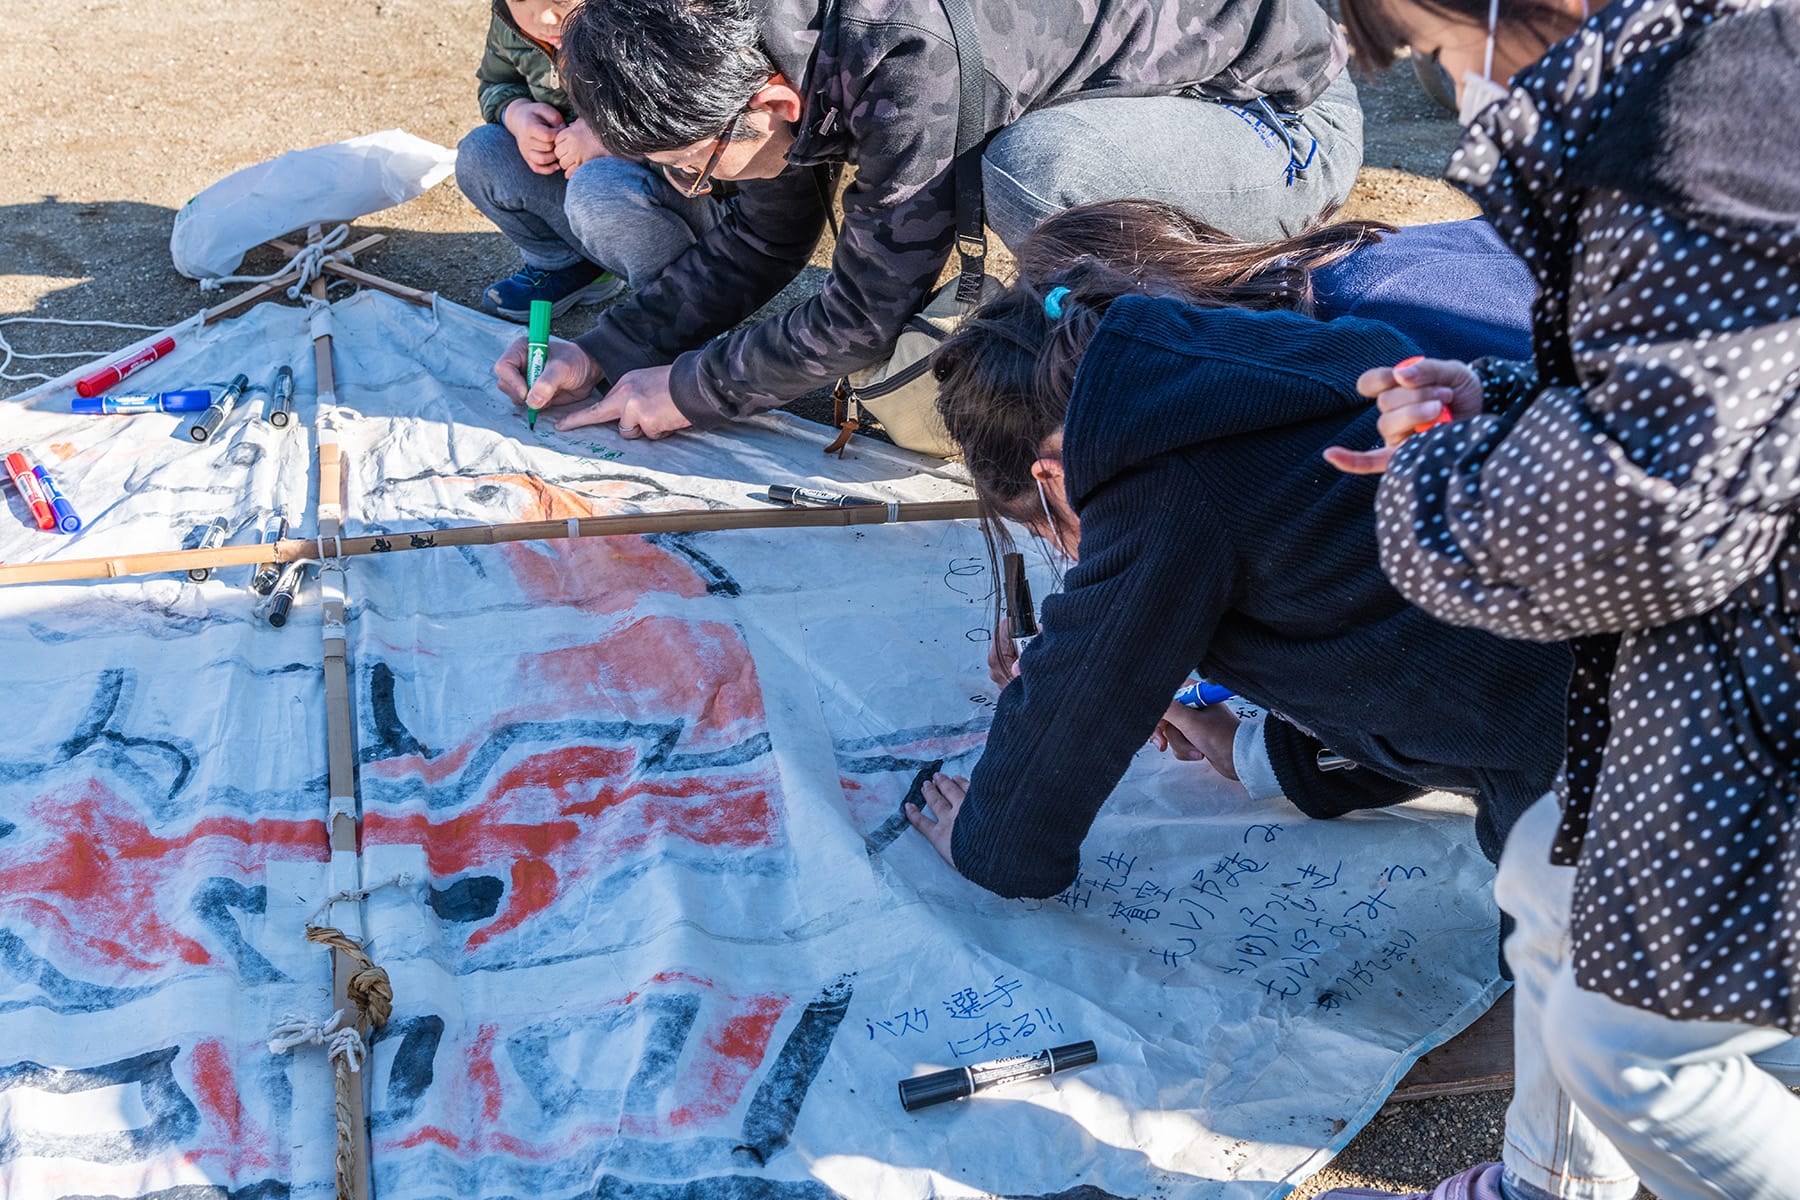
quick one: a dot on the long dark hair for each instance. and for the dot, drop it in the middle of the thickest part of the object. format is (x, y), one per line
(1005, 376)
(1376, 38)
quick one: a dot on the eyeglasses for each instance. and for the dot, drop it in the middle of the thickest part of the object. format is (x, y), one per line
(687, 182)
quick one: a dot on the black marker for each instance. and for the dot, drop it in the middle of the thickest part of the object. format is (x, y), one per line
(269, 574)
(292, 576)
(281, 399)
(213, 538)
(962, 1082)
(215, 416)
(1021, 619)
(800, 497)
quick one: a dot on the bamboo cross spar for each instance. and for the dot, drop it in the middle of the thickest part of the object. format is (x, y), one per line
(681, 520)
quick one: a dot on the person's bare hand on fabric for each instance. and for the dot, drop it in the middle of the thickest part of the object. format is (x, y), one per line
(641, 404)
(1412, 397)
(1199, 735)
(534, 126)
(944, 795)
(569, 375)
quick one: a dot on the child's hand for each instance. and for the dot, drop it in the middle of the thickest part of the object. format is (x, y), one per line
(1413, 397)
(1197, 734)
(576, 144)
(944, 795)
(534, 126)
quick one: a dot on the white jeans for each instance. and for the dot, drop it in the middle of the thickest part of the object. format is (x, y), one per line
(1605, 1094)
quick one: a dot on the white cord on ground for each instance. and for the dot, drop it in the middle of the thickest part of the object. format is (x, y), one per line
(309, 261)
(10, 353)
(340, 1041)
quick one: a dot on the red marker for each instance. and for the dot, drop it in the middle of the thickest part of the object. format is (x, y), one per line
(1443, 417)
(105, 377)
(27, 482)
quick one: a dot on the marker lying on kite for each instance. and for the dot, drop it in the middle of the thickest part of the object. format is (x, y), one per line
(959, 1083)
(185, 400)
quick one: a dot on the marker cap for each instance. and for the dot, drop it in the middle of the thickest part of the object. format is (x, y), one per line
(922, 1091)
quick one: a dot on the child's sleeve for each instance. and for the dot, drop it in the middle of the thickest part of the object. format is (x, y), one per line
(500, 81)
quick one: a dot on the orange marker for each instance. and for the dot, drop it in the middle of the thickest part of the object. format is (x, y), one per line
(1443, 417)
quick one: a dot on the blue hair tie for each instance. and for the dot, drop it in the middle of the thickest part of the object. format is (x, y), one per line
(1053, 302)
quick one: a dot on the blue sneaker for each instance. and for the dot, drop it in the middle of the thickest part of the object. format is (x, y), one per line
(565, 287)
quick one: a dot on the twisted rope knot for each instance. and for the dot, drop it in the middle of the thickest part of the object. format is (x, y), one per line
(368, 987)
(309, 261)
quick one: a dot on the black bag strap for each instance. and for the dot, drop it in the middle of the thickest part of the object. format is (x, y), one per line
(971, 114)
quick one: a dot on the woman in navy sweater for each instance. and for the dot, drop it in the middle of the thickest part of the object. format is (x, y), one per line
(1129, 407)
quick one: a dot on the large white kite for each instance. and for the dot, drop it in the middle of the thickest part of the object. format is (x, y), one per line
(629, 825)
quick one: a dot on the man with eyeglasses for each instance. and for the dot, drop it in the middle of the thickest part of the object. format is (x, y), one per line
(1238, 110)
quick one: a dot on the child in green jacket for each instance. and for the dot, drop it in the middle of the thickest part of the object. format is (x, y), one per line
(585, 222)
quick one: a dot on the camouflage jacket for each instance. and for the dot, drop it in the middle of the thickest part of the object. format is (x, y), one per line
(514, 67)
(880, 88)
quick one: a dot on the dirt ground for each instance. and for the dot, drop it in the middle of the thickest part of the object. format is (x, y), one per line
(118, 111)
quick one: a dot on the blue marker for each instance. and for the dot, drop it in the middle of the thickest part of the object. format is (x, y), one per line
(66, 520)
(1197, 693)
(187, 400)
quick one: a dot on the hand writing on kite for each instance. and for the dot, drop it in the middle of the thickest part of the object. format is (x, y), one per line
(1412, 397)
(641, 404)
(569, 375)
(944, 795)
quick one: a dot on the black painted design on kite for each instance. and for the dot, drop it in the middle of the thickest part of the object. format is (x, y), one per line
(172, 1118)
(894, 826)
(471, 898)
(389, 737)
(411, 1072)
(57, 992)
(718, 580)
(776, 1106)
(213, 902)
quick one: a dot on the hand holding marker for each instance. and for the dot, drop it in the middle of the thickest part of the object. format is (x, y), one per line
(1443, 417)
(537, 352)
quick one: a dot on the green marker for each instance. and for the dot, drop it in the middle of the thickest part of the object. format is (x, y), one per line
(537, 350)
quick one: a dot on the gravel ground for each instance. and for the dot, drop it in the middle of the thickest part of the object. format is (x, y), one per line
(149, 101)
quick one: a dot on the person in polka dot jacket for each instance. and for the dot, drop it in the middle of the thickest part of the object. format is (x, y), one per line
(1635, 489)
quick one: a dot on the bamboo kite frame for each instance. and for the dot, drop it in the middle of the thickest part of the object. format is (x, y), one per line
(681, 520)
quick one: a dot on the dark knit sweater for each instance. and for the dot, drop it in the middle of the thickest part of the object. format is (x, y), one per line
(1214, 537)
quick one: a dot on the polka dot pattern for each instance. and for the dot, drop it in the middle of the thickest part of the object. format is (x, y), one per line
(1637, 490)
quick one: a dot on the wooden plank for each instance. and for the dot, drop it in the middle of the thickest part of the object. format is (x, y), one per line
(1479, 1059)
(357, 275)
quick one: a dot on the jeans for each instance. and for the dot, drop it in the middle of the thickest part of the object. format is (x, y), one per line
(1605, 1094)
(1221, 162)
(620, 214)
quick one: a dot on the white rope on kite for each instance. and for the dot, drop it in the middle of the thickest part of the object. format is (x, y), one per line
(309, 262)
(341, 1041)
(402, 880)
(6, 347)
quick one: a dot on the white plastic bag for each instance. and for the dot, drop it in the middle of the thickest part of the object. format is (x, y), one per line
(325, 184)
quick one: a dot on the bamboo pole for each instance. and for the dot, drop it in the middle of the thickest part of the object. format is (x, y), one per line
(346, 862)
(681, 520)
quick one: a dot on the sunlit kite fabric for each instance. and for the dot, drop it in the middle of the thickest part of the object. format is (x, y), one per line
(630, 825)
